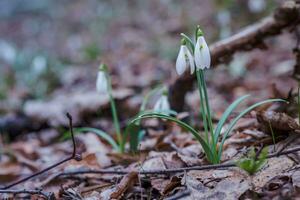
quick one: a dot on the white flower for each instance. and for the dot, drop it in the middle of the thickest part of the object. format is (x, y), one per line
(184, 59)
(202, 55)
(162, 104)
(256, 6)
(101, 84)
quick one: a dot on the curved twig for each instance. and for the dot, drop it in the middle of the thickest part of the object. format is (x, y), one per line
(74, 156)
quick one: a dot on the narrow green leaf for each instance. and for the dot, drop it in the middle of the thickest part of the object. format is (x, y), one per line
(189, 41)
(133, 130)
(134, 133)
(232, 124)
(225, 116)
(204, 145)
(101, 134)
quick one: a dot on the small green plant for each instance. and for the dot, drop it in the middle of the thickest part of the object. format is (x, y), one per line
(104, 87)
(254, 161)
(196, 56)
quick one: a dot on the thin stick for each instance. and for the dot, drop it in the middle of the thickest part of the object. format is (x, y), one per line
(47, 195)
(171, 171)
(74, 156)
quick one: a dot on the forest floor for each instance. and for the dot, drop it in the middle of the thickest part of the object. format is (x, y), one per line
(140, 50)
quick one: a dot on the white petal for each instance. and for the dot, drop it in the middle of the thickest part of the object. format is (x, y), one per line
(191, 60)
(181, 61)
(165, 103)
(206, 55)
(162, 104)
(157, 106)
(197, 54)
(101, 83)
(202, 54)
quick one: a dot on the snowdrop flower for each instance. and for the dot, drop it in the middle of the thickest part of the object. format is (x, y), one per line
(202, 55)
(162, 103)
(101, 83)
(256, 6)
(184, 59)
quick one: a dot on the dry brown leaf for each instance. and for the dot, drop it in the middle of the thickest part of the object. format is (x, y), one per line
(94, 146)
(216, 184)
(28, 149)
(274, 167)
(278, 121)
(173, 183)
(164, 186)
(79, 104)
(126, 159)
(127, 182)
(279, 187)
(296, 179)
(9, 172)
(166, 160)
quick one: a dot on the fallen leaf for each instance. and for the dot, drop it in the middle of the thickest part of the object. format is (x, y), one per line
(274, 167)
(280, 122)
(79, 104)
(216, 184)
(127, 181)
(9, 172)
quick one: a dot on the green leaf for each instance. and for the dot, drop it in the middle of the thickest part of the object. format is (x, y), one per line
(225, 116)
(133, 132)
(251, 164)
(189, 41)
(101, 134)
(232, 124)
(185, 126)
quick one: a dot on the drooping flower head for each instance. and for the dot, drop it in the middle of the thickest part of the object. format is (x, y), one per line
(162, 105)
(184, 59)
(201, 53)
(101, 83)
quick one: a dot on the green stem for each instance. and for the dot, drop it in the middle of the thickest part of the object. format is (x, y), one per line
(207, 114)
(202, 74)
(114, 114)
(202, 107)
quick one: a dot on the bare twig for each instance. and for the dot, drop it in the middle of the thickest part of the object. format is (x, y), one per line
(284, 18)
(179, 195)
(170, 171)
(74, 156)
(46, 195)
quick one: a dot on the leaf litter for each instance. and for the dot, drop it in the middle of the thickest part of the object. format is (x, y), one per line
(164, 146)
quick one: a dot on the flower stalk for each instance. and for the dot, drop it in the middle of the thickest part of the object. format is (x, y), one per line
(202, 60)
(103, 68)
